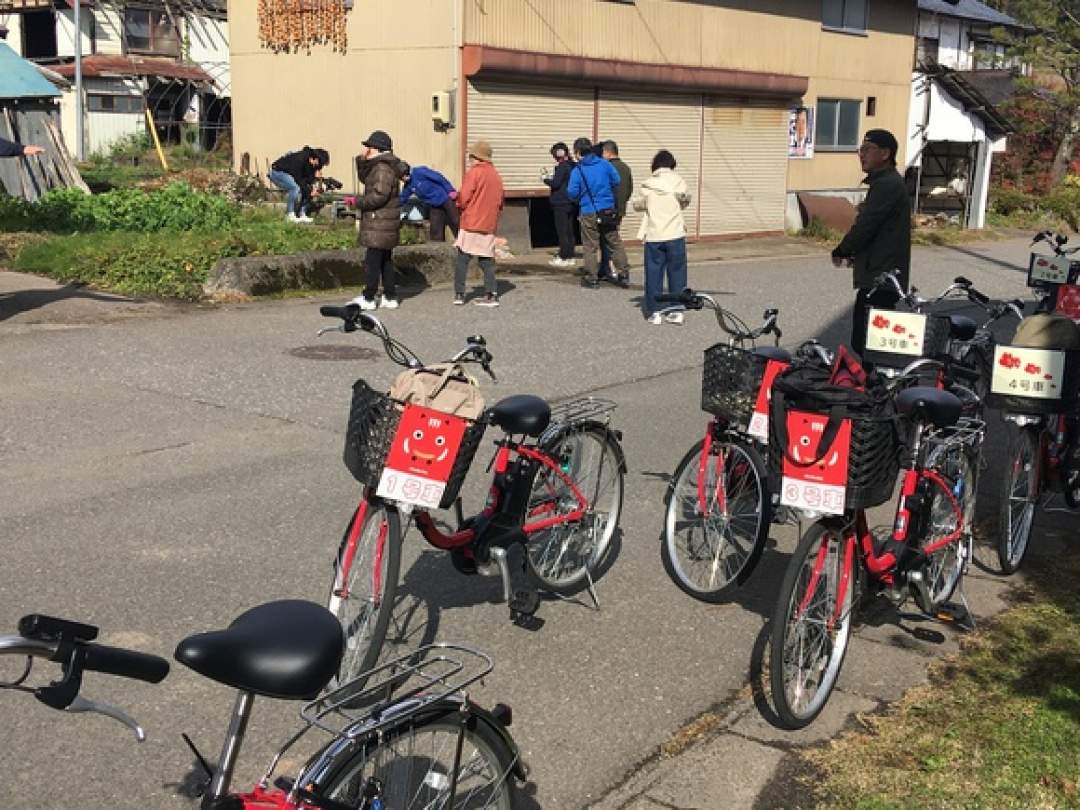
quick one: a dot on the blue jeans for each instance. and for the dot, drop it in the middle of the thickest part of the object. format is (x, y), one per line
(286, 182)
(663, 259)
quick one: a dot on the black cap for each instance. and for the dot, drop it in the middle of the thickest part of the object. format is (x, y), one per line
(884, 139)
(379, 140)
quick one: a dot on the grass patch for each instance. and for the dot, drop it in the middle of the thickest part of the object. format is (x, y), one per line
(948, 235)
(819, 233)
(998, 726)
(171, 264)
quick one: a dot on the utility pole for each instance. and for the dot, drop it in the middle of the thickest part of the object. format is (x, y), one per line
(80, 145)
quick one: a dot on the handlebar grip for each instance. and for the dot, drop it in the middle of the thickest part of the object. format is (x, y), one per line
(336, 312)
(978, 297)
(126, 663)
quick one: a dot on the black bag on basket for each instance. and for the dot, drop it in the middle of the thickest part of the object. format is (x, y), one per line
(874, 458)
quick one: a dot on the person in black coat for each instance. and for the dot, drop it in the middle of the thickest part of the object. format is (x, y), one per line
(562, 207)
(295, 173)
(880, 240)
(13, 149)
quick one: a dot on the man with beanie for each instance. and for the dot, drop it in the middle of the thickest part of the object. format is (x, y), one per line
(480, 200)
(380, 216)
(880, 240)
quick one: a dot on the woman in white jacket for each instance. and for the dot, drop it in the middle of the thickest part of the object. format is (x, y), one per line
(663, 229)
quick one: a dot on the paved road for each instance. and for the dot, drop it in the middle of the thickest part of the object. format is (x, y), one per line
(163, 473)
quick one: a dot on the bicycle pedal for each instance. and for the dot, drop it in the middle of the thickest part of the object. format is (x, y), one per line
(956, 615)
(525, 603)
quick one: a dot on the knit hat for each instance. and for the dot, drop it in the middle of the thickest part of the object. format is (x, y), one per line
(883, 139)
(379, 140)
(481, 150)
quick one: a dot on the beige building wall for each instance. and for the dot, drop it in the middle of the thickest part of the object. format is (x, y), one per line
(397, 57)
(774, 36)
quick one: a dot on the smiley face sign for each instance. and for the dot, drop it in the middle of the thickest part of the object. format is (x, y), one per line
(818, 485)
(422, 456)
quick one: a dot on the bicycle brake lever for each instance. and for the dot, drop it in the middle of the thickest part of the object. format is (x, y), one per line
(325, 329)
(81, 704)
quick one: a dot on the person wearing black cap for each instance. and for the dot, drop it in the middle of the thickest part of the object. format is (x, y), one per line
(880, 239)
(380, 216)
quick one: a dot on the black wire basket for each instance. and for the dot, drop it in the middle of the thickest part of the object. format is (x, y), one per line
(730, 382)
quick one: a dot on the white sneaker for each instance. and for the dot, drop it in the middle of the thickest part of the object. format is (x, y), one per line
(556, 262)
(365, 304)
(655, 319)
(674, 317)
(389, 303)
(304, 218)
(291, 217)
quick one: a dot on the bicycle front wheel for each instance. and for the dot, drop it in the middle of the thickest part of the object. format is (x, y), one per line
(946, 566)
(1019, 498)
(365, 583)
(414, 766)
(717, 520)
(561, 555)
(812, 624)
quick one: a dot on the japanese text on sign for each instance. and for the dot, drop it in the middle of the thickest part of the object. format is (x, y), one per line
(1049, 269)
(896, 332)
(759, 422)
(1036, 373)
(421, 457)
(820, 486)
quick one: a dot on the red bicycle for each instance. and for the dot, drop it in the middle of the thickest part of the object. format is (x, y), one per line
(557, 491)
(418, 742)
(925, 555)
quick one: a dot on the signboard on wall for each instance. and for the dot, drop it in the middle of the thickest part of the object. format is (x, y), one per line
(801, 133)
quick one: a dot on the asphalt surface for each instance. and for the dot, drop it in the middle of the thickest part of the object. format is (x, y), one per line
(163, 473)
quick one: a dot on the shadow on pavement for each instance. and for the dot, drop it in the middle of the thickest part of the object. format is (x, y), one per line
(20, 301)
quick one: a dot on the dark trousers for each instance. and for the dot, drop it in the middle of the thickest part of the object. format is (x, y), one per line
(564, 228)
(487, 264)
(663, 259)
(443, 217)
(380, 267)
(605, 256)
(860, 317)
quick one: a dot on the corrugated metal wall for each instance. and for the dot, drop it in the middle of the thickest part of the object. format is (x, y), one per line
(521, 122)
(644, 123)
(744, 162)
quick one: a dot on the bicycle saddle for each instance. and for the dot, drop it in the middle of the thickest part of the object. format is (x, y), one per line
(288, 649)
(930, 404)
(961, 327)
(773, 353)
(523, 413)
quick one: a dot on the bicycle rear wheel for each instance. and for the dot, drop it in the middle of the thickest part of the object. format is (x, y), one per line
(1019, 498)
(414, 766)
(561, 555)
(363, 589)
(812, 624)
(945, 567)
(707, 551)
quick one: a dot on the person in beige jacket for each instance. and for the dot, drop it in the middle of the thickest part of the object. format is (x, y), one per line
(663, 229)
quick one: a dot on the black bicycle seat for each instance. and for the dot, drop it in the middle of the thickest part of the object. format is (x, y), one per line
(961, 327)
(930, 404)
(522, 413)
(773, 353)
(288, 649)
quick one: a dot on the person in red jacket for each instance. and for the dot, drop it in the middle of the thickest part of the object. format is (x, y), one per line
(480, 199)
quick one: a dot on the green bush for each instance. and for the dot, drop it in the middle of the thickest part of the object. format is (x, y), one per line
(1008, 201)
(175, 207)
(169, 264)
(1064, 203)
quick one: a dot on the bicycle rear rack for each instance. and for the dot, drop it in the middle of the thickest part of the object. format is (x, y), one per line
(968, 431)
(397, 689)
(579, 410)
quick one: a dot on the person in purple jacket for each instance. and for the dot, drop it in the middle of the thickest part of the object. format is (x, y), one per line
(13, 149)
(438, 194)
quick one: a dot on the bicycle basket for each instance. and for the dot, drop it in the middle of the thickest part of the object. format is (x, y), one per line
(411, 453)
(730, 382)
(895, 338)
(858, 444)
(1028, 380)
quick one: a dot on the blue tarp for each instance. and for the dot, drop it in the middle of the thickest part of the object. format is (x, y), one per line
(20, 79)
(967, 10)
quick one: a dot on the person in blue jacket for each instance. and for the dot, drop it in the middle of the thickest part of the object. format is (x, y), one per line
(593, 185)
(439, 195)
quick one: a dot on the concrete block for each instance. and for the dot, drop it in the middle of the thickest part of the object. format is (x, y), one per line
(260, 275)
(729, 772)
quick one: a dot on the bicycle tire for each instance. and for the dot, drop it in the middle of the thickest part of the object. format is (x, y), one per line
(362, 648)
(702, 549)
(785, 643)
(393, 756)
(946, 566)
(560, 557)
(1019, 498)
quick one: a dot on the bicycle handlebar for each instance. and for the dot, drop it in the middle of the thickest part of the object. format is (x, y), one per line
(729, 323)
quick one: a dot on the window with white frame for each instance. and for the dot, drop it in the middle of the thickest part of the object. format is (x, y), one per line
(837, 125)
(844, 15)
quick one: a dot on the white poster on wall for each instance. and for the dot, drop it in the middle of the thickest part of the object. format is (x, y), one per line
(801, 133)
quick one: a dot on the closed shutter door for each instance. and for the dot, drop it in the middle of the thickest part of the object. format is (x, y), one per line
(745, 167)
(643, 124)
(522, 121)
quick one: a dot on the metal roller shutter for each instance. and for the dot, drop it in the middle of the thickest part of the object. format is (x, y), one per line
(643, 124)
(522, 121)
(744, 158)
